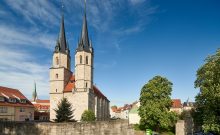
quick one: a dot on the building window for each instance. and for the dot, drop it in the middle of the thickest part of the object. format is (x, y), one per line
(12, 100)
(3, 109)
(57, 60)
(23, 101)
(86, 84)
(22, 109)
(57, 76)
(2, 99)
(86, 59)
(56, 90)
(80, 59)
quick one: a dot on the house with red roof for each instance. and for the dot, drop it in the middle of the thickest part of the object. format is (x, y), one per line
(42, 110)
(14, 106)
(77, 87)
(120, 112)
(176, 106)
(42, 107)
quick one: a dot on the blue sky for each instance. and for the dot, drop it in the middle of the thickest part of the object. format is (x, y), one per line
(134, 40)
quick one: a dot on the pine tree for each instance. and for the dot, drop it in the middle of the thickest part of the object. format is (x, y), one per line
(64, 112)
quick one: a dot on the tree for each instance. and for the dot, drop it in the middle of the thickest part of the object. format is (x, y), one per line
(207, 111)
(88, 115)
(64, 112)
(155, 103)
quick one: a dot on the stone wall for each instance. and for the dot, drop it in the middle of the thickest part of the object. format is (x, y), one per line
(119, 127)
(180, 127)
(186, 127)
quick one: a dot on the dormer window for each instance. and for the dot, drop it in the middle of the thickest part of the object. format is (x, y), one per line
(2, 99)
(23, 101)
(12, 100)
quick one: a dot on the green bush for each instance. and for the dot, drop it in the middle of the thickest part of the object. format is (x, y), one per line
(88, 115)
(136, 127)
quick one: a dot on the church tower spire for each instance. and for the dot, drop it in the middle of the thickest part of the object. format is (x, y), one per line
(84, 59)
(84, 68)
(34, 95)
(61, 45)
(60, 71)
(84, 44)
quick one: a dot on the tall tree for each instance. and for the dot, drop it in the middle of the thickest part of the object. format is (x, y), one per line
(64, 112)
(207, 111)
(155, 103)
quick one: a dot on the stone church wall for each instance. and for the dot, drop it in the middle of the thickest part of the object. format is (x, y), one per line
(120, 127)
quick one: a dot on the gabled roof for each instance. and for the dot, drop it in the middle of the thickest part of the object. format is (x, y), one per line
(13, 93)
(71, 86)
(176, 103)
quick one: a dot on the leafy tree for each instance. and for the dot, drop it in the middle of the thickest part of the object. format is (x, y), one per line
(64, 112)
(207, 111)
(88, 115)
(155, 103)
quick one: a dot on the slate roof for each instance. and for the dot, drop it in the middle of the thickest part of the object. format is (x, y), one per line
(84, 42)
(61, 45)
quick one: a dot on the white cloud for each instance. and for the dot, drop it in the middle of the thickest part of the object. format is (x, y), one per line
(44, 11)
(18, 70)
(11, 35)
(134, 2)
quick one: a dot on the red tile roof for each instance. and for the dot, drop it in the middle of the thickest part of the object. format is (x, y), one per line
(71, 85)
(42, 101)
(176, 103)
(13, 93)
(42, 107)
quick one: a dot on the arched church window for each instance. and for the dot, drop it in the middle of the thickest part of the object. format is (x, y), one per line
(57, 76)
(86, 59)
(80, 59)
(57, 60)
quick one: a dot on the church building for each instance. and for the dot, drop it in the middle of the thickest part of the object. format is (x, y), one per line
(78, 88)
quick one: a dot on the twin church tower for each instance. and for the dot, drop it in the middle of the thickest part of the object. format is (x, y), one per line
(78, 88)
